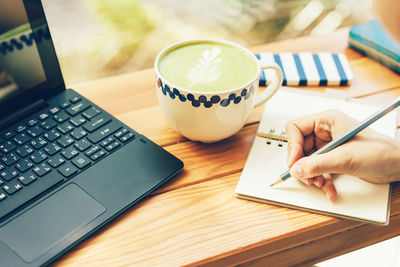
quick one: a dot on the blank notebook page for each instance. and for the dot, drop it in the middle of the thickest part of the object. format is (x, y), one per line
(357, 199)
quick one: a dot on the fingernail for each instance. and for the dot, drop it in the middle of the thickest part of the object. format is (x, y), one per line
(296, 171)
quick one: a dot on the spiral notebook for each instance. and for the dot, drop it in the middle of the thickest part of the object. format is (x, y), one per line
(357, 199)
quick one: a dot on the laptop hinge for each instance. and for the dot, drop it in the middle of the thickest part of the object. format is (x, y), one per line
(22, 113)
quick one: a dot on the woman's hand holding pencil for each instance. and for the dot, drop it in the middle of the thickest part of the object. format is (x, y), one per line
(368, 155)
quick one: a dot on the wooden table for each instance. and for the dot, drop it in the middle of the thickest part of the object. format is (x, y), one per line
(195, 219)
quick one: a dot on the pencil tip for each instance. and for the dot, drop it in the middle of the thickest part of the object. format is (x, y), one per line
(276, 182)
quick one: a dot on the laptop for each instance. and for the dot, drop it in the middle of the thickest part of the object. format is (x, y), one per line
(67, 167)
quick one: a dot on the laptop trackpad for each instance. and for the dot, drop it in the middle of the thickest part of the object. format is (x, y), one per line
(43, 226)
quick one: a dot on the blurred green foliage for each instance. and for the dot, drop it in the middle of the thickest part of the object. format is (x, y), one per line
(129, 23)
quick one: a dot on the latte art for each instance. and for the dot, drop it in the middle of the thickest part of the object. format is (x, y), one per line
(206, 66)
(206, 70)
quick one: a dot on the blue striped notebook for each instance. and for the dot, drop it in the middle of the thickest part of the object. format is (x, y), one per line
(308, 69)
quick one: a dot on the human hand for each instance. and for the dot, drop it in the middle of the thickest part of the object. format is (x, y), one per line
(369, 155)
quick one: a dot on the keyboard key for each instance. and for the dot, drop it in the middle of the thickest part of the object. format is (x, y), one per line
(35, 131)
(56, 161)
(95, 124)
(48, 124)
(103, 132)
(7, 146)
(121, 133)
(38, 156)
(75, 99)
(9, 159)
(8, 174)
(24, 150)
(126, 137)
(52, 135)
(41, 169)
(1, 182)
(78, 120)
(92, 151)
(112, 146)
(2, 196)
(54, 110)
(107, 141)
(65, 140)
(68, 170)
(70, 152)
(27, 178)
(91, 113)
(43, 116)
(2, 167)
(52, 149)
(77, 108)
(38, 143)
(61, 117)
(65, 128)
(21, 139)
(8, 134)
(81, 161)
(98, 155)
(12, 187)
(32, 122)
(82, 145)
(20, 128)
(24, 165)
(65, 104)
(78, 133)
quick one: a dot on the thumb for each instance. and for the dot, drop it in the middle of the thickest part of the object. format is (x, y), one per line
(315, 165)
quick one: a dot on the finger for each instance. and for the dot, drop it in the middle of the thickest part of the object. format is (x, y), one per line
(329, 190)
(335, 161)
(320, 142)
(296, 131)
(295, 143)
(295, 152)
(308, 143)
(308, 181)
(319, 181)
(312, 151)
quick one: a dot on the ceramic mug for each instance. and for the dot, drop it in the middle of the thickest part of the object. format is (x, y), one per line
(212, 116)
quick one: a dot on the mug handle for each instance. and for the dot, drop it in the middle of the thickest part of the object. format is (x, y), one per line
(268, 92)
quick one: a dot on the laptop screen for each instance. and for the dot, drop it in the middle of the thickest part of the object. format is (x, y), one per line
(28, 64)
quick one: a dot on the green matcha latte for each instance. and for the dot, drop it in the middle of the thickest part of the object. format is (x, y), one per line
(207, 66)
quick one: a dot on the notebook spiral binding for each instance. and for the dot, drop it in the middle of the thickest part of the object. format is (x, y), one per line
(273, 136)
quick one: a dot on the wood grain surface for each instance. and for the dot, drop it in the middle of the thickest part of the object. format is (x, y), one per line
(195, 219)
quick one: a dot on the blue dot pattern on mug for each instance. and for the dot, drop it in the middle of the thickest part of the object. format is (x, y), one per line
(215, 99)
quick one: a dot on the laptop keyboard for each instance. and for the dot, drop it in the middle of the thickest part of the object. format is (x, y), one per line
(52, 147)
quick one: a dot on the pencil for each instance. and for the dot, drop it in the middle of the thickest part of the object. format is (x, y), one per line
(346, 136)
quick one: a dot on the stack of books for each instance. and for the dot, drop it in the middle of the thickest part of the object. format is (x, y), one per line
(374, 41)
